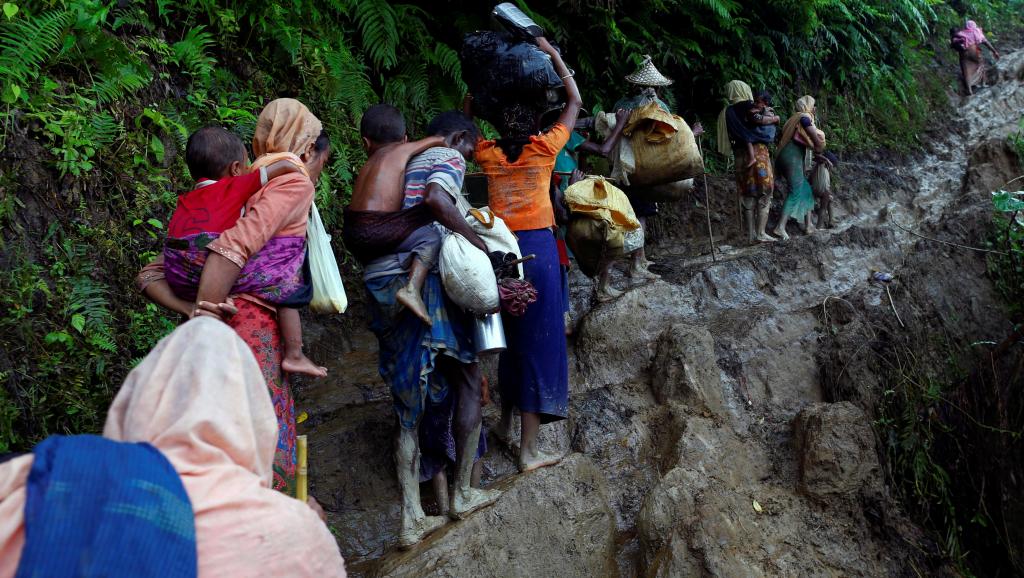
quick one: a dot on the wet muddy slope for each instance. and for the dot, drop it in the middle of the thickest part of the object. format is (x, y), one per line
(707, 436)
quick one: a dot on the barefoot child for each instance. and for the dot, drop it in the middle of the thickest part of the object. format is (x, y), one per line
(217, 160)
(377, 220)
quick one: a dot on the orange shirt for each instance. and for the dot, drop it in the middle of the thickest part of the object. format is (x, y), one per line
(520, 192)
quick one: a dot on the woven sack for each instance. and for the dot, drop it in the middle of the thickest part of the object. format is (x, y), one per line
(593, 242)
(663, 146)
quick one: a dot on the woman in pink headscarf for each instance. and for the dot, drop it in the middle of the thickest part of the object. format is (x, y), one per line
(968, 43)
(199, 398)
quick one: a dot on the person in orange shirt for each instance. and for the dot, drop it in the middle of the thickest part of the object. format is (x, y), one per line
(533, 371)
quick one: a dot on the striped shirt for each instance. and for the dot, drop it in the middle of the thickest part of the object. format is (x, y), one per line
(441, 165)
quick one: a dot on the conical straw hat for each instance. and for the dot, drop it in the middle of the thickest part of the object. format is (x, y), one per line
(648, 75)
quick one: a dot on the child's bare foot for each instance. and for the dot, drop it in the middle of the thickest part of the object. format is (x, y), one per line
(302, 364)
(752, 163)
(410, 297)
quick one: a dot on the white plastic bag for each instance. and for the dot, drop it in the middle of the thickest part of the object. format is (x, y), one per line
(328, 289)
(494, 233)
(467, 275)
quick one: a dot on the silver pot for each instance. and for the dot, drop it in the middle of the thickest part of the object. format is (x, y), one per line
(489, 334)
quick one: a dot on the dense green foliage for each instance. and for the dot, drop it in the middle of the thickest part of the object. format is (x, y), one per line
(100, 95)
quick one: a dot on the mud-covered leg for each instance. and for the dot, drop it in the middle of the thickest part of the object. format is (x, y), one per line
(415, 525)
(466, 379)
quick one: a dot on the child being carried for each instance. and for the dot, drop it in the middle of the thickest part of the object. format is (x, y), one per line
(278, 274)
(378, 221)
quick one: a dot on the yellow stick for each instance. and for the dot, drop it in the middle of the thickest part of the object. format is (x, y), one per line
(302, 478)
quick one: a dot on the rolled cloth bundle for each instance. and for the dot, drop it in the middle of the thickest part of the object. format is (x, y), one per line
(516, 295)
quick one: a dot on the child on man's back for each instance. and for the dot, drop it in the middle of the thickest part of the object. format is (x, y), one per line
(217, 160)
(379, 191)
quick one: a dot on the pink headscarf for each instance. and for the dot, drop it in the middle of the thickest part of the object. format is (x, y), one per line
(973, 33)
(200, 398)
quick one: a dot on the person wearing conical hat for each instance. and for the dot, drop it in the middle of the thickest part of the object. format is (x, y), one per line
(648, 80)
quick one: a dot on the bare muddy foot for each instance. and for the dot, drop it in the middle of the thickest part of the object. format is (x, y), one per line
(302, 364)
(528, 462)
(419, 529)
(466, 502)
(410, 297)
(607, 294)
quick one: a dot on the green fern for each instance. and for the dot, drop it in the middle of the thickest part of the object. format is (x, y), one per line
(190, 53)
(27, 44)
(378, 25)
(109, 88)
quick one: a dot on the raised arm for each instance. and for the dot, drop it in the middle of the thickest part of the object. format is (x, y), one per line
(606, 148)
(573, 100)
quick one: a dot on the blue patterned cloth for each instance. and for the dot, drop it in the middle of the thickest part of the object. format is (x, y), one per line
(97, 507)
(408, 347)
(533, 373)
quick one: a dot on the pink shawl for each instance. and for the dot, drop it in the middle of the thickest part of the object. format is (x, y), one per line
(973, 34)
(199, 398)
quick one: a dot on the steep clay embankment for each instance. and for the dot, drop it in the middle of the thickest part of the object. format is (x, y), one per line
(701, 441)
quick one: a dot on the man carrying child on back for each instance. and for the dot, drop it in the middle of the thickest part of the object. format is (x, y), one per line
(392, 226)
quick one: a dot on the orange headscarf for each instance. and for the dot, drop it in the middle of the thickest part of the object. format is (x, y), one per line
(199, 397)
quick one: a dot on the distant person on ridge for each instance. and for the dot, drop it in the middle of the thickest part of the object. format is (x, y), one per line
(968, 43)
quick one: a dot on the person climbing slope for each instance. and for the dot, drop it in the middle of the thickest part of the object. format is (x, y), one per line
(738, 136)
(533, 371)
(425, 363)
(379, 220)
(968, 43)
(799, 135)
(216, 159)
(284, 128)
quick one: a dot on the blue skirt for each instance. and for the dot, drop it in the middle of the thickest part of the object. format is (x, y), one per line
(533, 373)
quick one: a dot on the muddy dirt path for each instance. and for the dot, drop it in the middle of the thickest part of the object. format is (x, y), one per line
(701, 441)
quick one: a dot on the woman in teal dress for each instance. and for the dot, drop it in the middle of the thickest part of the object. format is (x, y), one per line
(799, 135)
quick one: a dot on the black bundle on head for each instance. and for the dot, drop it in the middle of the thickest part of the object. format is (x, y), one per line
(210, 152)
(382, 124)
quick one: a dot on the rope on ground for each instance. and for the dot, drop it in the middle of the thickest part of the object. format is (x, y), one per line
(916, 234)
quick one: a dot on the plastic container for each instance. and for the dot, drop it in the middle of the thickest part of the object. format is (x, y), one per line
(489, 334)
(514, 20)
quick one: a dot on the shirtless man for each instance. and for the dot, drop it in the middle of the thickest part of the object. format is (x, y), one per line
(380, 191)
